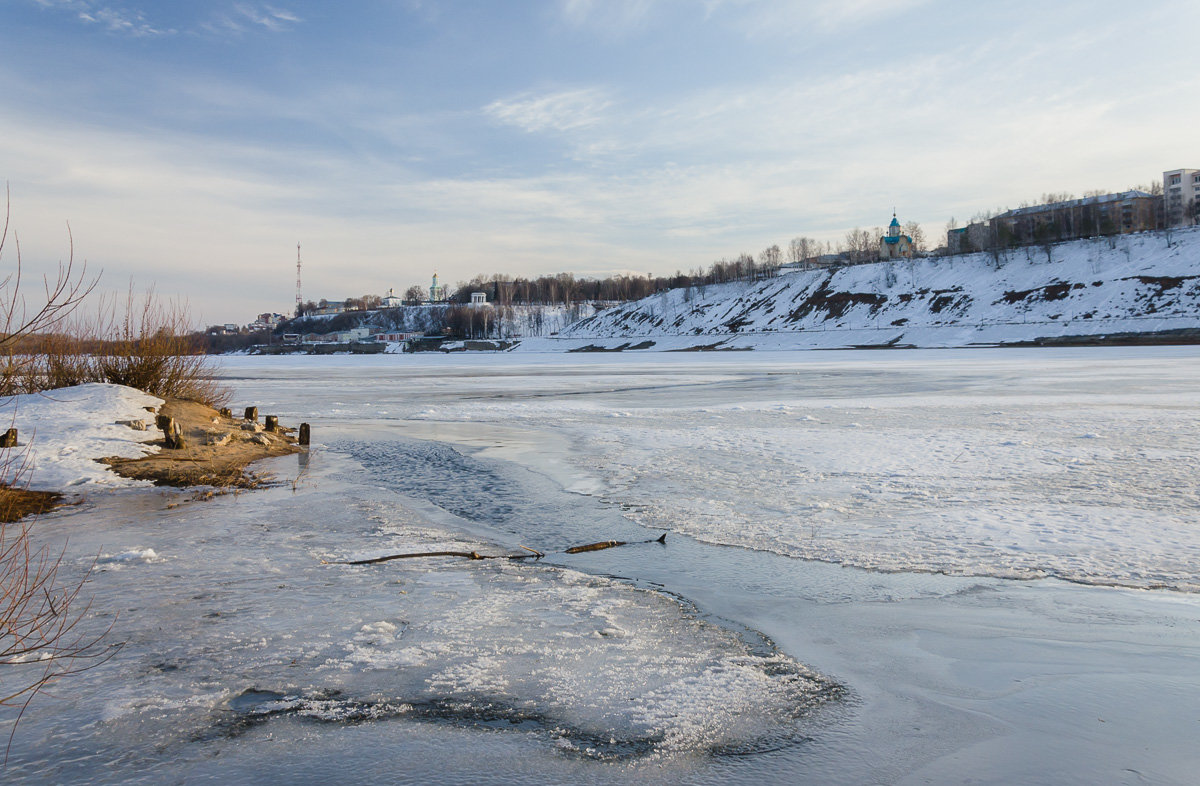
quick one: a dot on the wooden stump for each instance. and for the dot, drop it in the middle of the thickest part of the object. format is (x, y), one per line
(161, 422)
(305, 433)
(252, 414)
(272, 422)
(226, 412)
(9, 439)
(173, 435)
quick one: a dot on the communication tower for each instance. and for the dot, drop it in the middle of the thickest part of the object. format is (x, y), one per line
(298, 299)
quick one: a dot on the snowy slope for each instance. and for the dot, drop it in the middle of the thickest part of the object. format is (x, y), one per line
(1131, 283)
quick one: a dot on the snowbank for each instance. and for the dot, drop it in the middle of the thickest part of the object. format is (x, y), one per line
(62, 433)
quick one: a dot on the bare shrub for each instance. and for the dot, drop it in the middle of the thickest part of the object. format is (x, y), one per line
(146, 343)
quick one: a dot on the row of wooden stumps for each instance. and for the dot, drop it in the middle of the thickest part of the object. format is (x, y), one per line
(532, 553)
(271, 423)
(173, 432)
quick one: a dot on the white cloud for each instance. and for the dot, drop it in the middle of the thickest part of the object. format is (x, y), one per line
(753, 18)
(274, 19)
(611, 15)
(113, 19)
(566, 110)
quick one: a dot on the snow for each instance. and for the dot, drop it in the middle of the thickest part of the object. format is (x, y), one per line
(1127, 283)
(62, 432)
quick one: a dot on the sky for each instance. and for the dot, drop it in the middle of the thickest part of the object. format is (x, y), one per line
(189, 146)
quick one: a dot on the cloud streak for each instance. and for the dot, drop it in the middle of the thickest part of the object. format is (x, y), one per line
(566, 110)
(119, 20)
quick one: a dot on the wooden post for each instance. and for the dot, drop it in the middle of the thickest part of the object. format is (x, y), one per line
(9, 440)
(272, 422)
(173, 435)
(305, 433)
(252, 414)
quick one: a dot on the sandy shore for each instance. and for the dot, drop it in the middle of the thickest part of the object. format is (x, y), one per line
(218, 450)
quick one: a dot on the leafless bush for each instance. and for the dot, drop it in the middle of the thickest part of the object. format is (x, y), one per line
(147, 344)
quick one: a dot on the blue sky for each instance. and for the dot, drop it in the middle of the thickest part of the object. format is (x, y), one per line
(191, 145)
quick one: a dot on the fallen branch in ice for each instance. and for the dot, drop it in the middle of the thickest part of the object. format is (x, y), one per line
(608, 544)
(466, 554)
(474, 555)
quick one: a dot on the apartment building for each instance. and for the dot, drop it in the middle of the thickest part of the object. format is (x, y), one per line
(1181, 195)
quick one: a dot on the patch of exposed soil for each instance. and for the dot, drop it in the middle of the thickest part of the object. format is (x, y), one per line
(16, 504)
(217, 450)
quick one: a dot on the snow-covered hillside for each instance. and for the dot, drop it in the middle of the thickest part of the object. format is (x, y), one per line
(1127, 284)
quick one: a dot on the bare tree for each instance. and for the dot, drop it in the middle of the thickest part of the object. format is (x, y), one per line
(859, 245)
(914, 231)
(769, 260)
(801, 249)
(414, 294)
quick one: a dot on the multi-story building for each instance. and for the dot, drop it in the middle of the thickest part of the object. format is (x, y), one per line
(1181, 195)
(972, 237)
(1107, 214)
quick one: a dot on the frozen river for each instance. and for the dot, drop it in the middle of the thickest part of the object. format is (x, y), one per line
(880, 567)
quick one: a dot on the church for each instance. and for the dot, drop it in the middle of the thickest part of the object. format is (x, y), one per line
(895, 245)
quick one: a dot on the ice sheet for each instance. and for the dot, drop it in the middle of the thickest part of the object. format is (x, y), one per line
(1073, 464)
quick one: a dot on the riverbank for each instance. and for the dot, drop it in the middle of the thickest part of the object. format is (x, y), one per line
(79, 440)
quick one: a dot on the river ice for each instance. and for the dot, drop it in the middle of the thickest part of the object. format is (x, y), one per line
(836, 601)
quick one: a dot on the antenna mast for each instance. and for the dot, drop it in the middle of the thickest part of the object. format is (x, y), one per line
(298, 299)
